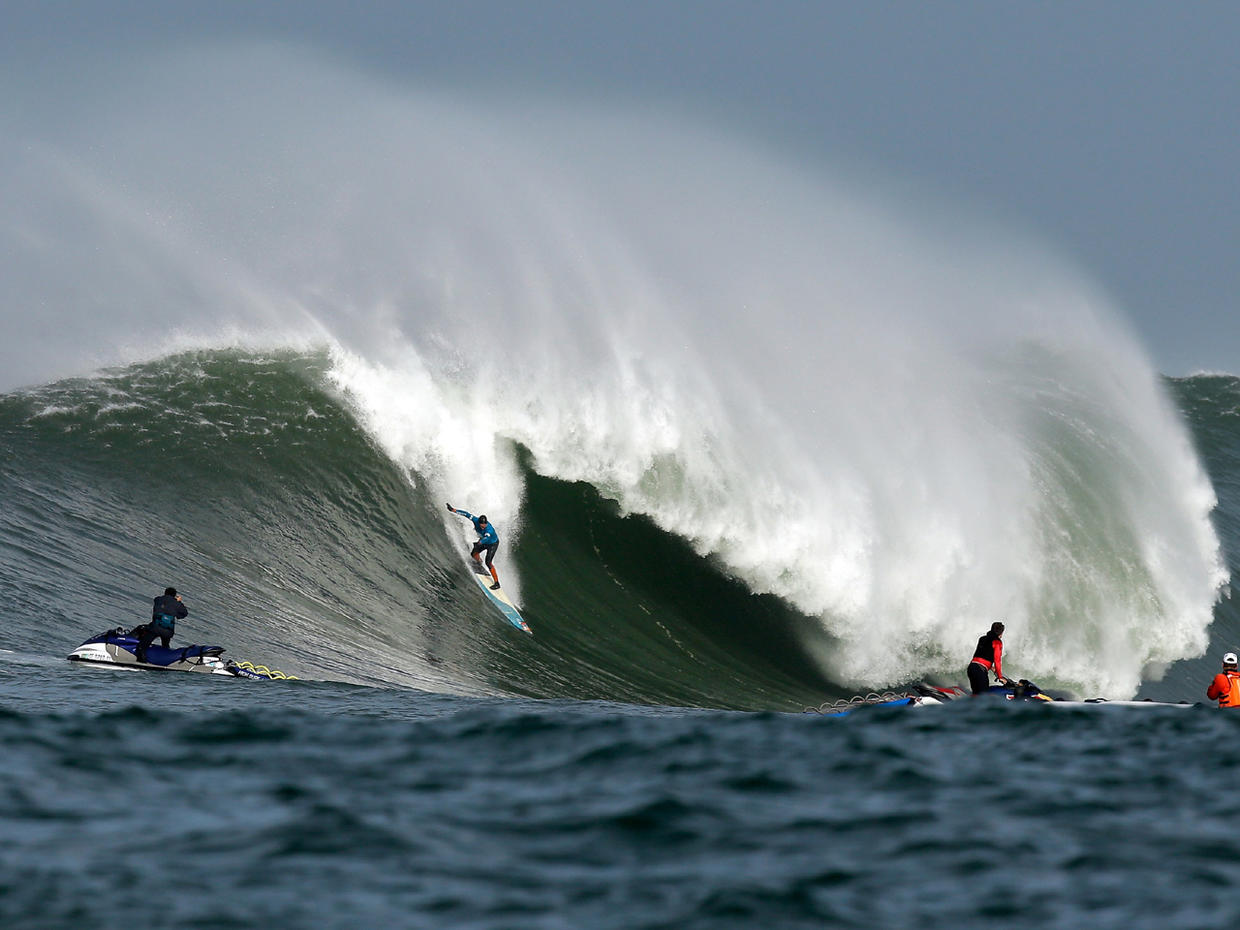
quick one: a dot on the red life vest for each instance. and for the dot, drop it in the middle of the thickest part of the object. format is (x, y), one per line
(989, 653)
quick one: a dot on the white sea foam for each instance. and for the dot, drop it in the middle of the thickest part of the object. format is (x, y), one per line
(904, 424)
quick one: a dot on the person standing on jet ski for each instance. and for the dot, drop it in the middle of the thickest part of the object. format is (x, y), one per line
(165, 613)
(1226, 685)
(987, 657)
(488, 542)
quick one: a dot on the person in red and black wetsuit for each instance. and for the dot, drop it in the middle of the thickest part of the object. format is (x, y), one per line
(987, 657)
(1226, 685)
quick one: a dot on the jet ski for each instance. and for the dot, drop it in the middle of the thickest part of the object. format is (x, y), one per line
(118, 648)
(1025, 690)
(923, 694)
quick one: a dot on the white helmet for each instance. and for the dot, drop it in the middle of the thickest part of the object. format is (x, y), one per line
(1230, 659)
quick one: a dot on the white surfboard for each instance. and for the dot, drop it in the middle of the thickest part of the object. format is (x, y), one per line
(500, 599)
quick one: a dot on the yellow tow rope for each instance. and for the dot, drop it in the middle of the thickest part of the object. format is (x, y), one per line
(273, 673)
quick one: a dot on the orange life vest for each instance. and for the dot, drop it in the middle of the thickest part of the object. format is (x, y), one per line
(1231, 697)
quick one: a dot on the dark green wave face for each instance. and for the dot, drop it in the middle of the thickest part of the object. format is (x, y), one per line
(246, 483)
(1211, 406)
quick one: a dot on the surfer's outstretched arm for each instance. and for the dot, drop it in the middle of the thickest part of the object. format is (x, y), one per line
(461, 513)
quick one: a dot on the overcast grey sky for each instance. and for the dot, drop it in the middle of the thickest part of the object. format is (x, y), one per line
(1110, 130)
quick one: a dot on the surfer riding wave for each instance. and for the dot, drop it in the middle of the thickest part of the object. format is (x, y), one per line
(488, 542)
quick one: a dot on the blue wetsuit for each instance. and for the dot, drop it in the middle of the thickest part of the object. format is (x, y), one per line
(487, 537)
(488, 542)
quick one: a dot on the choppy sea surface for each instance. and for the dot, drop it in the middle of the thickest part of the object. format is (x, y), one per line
(132, 799)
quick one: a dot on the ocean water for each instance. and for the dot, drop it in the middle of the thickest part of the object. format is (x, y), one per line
(133, 801)
(755, 440)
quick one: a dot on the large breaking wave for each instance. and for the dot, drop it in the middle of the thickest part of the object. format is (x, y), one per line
(899, 423)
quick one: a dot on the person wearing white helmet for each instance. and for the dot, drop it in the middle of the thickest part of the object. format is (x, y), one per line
(1226, 685)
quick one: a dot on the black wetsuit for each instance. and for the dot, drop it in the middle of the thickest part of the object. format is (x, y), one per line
(165, 612)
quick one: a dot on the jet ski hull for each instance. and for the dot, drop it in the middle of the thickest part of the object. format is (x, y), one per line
(117, 649)
(924, 695)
